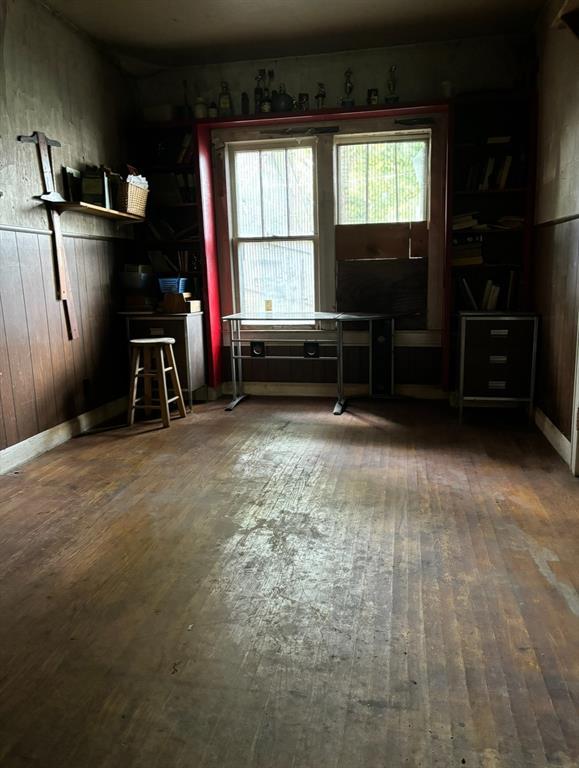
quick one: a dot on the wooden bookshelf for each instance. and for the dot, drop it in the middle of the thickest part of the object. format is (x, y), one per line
(167, 155)
(490, 182)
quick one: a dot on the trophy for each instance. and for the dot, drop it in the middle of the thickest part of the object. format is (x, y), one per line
(348, 100)
(391, 86)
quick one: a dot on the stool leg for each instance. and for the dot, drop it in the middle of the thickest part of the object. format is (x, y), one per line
(135, 361)
(175, 380)
(148, 382)
(163, 394)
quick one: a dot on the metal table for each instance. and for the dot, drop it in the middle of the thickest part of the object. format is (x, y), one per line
(339, 318)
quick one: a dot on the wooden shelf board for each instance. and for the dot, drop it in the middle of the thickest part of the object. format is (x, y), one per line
(506, 191)
(170, 168)
(171, 243)
(177, 205)
(96, 210)
(517, 230)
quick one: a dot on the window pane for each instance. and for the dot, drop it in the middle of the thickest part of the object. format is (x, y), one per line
(300, 181)
(275, 193)
(248, 194)
(352, 203)
(411, 162)
(282, 272)
(382, 182)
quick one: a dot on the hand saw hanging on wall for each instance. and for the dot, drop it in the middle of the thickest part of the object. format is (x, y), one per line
(43, 145)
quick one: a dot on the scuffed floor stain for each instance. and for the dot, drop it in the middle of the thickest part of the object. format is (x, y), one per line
(542, 557)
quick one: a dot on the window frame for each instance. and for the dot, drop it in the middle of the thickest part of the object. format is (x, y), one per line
(383, 137)
(257, 145)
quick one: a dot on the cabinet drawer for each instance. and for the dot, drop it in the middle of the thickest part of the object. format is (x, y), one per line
(499, 336)
(507, 380)
(499, 358)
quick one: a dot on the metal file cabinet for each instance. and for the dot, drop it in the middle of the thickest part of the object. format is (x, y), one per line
(498, 353)
(187, 330)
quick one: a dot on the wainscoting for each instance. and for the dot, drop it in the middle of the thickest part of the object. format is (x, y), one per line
(46, 379)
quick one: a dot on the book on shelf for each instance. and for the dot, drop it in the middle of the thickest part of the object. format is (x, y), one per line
(486, 178)
(486, 294)
(466, 239)
(503, 174)
(510, 222)
(468, 294)
(467, 261)
(490, 296)
(493, 298)
(184, 147)
(511, 288)
(464, 220)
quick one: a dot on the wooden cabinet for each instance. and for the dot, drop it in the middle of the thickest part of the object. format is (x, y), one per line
(187, 330)
(497, 358)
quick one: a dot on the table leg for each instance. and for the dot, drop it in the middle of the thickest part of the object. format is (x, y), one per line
(340, 405)
(236, 373)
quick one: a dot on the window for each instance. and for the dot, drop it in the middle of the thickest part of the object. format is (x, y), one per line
(274, 227)
(382, 181)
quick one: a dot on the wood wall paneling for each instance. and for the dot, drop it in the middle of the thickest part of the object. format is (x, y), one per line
(556, 298)
(38, 333)
(46, 379)
(19, 376)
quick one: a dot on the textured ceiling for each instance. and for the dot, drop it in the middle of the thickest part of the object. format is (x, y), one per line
(190, 31)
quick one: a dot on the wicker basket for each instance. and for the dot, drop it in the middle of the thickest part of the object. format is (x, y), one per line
(132, 199)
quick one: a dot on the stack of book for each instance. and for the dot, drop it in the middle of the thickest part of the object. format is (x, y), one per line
(465, 220)
(467, 250)
(510, 222)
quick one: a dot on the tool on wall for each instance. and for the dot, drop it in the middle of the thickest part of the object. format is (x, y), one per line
(43, 146)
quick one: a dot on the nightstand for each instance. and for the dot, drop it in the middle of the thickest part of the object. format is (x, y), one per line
(498, 353)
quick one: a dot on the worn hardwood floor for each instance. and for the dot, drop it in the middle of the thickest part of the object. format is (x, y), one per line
(281, 587)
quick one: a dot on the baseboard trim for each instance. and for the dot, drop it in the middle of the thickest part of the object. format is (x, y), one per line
(557, 439)
(34, 446)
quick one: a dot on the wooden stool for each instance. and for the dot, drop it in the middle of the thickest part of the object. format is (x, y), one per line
(154, 350)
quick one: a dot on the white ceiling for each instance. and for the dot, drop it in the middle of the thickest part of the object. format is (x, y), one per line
(190, 31)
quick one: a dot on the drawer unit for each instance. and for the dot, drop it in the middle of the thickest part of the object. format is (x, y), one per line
(497, 358)
(187, 330)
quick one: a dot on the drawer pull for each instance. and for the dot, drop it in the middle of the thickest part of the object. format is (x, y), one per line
(157, 331)
(497, 359)
(496, 385)
(499, 331)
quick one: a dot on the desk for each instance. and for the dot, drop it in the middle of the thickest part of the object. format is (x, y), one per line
(187, 330)
(337, 318)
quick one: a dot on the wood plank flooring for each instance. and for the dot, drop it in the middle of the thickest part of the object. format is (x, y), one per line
(281, 587)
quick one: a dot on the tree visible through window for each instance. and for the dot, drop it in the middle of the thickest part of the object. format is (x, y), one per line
(382, 181)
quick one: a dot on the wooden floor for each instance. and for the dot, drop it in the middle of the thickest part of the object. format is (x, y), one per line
(281, 587)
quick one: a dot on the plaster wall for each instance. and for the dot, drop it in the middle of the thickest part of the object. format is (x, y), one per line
(55, 80)
(478, 63)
